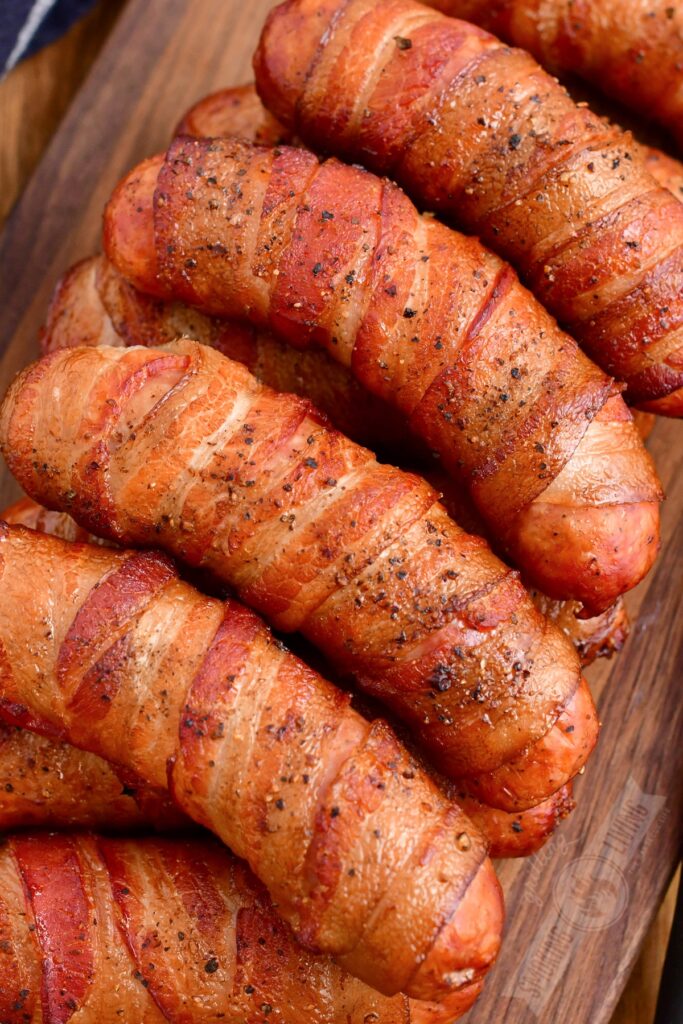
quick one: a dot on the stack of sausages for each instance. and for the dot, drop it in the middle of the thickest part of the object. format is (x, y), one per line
(196, 446)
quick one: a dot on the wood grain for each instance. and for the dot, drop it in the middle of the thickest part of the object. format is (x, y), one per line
(36, 94)
(162, 55)
(639, 1000)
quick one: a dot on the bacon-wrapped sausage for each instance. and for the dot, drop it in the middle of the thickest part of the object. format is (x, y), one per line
(427, 320)
(83, 790)
(159, 931)
(363, 854)
(48, 783)
(238, 111)
(181, 447)
(632, 51)
(479, 132)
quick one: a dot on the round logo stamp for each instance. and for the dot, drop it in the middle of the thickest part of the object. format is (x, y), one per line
(590, 893)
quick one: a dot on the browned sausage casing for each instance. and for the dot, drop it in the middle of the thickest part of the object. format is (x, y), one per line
(112, 652)
(428, 320)
(159, 931)
(181, 447)
(479, 132)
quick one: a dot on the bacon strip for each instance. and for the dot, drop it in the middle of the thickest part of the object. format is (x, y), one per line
(157, 931)
(198, 457)
(328, 255)
(61, 911)
(479, 132)
(632, 51)
(261, 749)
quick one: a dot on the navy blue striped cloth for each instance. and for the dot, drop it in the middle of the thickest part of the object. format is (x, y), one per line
(26, 25)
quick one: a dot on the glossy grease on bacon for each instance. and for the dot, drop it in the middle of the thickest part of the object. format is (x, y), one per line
(159, 931)
(477, 131)
(329, 255)
(357, 846)
(93, 297)
(180, 447)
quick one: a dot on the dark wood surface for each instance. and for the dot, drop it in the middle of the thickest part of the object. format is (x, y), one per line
(578, 912)
(36, 94)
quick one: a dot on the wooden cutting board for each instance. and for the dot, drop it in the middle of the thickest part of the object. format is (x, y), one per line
(578, 911)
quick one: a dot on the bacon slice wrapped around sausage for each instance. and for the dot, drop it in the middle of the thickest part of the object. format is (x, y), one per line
(429, 321)
(632, 51)
(81, 789)
(364, 855)
(180, 447)
(45, 783)
(161, 931)
(477, 131)
(93, 303)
